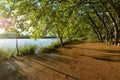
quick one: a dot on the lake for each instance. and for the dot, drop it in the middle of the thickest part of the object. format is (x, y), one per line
(11, 43)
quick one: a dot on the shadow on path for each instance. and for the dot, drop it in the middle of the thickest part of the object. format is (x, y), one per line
(104, 57)
(104, 50)
(9, 70)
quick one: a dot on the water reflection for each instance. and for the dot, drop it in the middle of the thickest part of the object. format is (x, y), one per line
(11, 43)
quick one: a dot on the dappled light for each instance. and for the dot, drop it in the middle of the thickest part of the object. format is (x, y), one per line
(59, 40)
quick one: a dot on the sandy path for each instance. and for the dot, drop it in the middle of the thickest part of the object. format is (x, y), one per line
(84, 61)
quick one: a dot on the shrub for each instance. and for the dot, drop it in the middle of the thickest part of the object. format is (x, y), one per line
(23, 51)
(3, 53)
(27, 50)
(50, 48)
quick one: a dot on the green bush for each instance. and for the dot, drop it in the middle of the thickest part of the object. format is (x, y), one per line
(3, 53)
(12, 52)
(50, 48)
(27, 50)
(23, 51)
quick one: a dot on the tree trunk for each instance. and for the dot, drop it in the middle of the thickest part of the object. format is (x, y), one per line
(115, 25)
(107, 30)
(17, 49)
(116, 37)
(96, 32)
(99, 33)
(61, 41)
(114, 7)
(61, 38)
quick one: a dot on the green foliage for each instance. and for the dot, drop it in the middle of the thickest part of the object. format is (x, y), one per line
(50, 48)
(3, 53)
(27, 50)
(11, 53)
(6, 53)
(62, 18)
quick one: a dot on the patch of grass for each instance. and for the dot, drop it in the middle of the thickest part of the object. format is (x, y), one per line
(50, 48)
(12, 53)
(3, 53)
(81, 39)
(27, 50)
(76, 40)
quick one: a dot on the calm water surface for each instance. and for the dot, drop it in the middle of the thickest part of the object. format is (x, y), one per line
(11, 43)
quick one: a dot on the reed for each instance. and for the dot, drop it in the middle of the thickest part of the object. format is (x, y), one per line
(25, 50)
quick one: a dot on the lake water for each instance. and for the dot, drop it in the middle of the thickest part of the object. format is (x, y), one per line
(11, 43)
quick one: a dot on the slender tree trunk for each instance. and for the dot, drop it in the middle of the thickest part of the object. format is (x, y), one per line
(96, 32)
(107, 30)
(115, 25)
(61, 41)
(99, 33)
(61, 38)
(114, 7)
(17, 49)
(116, 37)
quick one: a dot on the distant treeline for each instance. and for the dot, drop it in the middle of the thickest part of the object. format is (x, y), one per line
(13, 36)
(7, 35)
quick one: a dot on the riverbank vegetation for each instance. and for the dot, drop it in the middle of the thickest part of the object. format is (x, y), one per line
(24, 50)
(10, 35)
(52, 47)
(31, 49)
(27, 50)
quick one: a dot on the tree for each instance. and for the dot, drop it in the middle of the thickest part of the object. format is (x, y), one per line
(16, 19)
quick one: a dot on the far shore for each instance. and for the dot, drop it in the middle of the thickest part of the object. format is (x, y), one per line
(28, 38)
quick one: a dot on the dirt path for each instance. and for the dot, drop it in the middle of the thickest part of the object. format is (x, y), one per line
(84, 61)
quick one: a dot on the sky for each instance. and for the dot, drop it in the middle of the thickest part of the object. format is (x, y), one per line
(2, 31)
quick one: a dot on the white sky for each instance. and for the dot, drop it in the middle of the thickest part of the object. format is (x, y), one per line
(2, 31)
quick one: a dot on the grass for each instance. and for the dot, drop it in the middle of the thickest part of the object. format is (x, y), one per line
(3, 53)
(25, 50)
(30, 50)
(51, 48)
